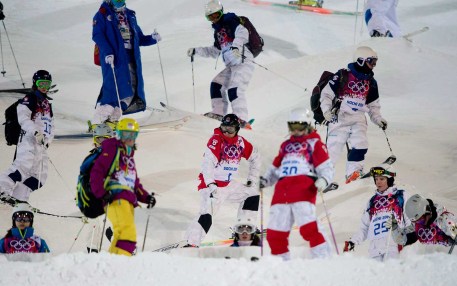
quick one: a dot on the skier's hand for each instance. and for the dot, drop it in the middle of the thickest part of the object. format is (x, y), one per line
(107, 198)
(151, 201)
(191, 52)
(391, 223)
(2, 16)
(328, 115)
(263, 182)
(236, 56)
(109, 59)
(348, 246)
(156, 36)
(320, 184)
(383, 124)
(39, 137)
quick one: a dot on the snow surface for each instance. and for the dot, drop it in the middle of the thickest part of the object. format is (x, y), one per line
(416, 82)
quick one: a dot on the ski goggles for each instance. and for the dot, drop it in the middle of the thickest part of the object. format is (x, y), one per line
(297, 126)
(128, 135)
(43, 84)
(214, 17)
(23, 218)
(371, 60)
(379, 171)
(244, 228)
(228, 129)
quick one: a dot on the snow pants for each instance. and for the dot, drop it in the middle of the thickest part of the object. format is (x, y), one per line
(230, 85)
(353, 130)
(29, 170)
(235, 192)
(381, 15)
(303, 214)
(121, 214)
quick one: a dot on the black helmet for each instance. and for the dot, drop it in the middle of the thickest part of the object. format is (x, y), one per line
(231, 120)
(41, 75)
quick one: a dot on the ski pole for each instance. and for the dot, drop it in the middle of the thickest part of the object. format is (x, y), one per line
(61, 216)
(278, 75)
(356, 19)
(117, 90)
(103, 230)
(261, 221)
(14, 56)
(388, 143)
(161, 67)
(329, 223)
(452, 246)
(193, 78)
(1, 50)
(145, 233)
(60, 176)
(77, 235)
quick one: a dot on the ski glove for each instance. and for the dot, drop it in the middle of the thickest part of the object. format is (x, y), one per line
(151, 201)
(320, 184)
(109, 59)
(2, 16)
(348, 246)
(263, 182)
(382, 123)
(191, 52)
(391, 223)
(156, 36)
(328, 115)
(211, 189)
(39, 137)
(108, 198)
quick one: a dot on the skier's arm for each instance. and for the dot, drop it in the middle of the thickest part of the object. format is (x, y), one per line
(211, 159)
(141, 194)
(328, 93)
(404, 236)
(241, 37)
(98, 34)
(144, 40)
(208, 52)
(447, 222)
(361, 235)
(253, 157)
(101, 168)
(2, 242)
(44, 247)
(322, 163)
(24, 117)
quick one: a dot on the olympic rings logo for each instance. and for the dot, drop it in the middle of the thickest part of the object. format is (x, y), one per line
(359, 86)
(129, 162)
(427, 234)
(382, 202)
(294, 147)
(22, 244)
(232, 151)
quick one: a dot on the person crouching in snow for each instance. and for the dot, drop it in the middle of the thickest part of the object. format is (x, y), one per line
(388, 200)
(301, 169)
(245, 234)
(20, 238)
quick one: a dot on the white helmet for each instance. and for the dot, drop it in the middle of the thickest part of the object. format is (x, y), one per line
(102, 130)
(416, 206)
(363, 53)
(300, 115)
(244, 225)
(24, 209)
(213, 6)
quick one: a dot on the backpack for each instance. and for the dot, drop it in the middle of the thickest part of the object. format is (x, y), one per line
(12, 126)
(255, 44)
(315, 100)
(88, 204)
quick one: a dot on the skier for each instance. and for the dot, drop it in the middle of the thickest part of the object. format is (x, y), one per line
(221, 160)
(122, 189)
(118, 38)
(230, 38)
(29, 170)
(101, 132)
(381, 18)
(347, 121)
(388, 200)
(245, 234)
(432, 224)
(301, 169)
(20, 238)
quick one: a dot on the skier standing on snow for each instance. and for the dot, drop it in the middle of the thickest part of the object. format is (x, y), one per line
(21, 238)
(381, 18)
(221, 160)
(230, 38)
(122, 189)
(348, 123)
(101, 132)
(431, 224)
(387, 201)
(301, 169)
(29, 170)
(118, 37)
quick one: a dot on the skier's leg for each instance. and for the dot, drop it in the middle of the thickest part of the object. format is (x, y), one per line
(236, 89)
(359, 143)
(279, 224)
(247, 197)
(305, 217)
(216, 90)
(337, 136)
(121, 215)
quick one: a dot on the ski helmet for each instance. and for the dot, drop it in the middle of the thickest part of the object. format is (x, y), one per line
(230, 120)
(101, 130)
(416, 206)
(127, 124)
(22, 210)
(365, 54)
(212, 7)
(244, 225)
(299, 119)
(117, 4)
(384, 171)
(41, 75)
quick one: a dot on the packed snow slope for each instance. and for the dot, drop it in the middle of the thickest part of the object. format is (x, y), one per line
(418, 99)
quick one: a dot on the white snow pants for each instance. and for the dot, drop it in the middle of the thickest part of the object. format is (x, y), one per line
(383, 17)
(351, 128)
(230, 85)
(235, 192)
(29, 170)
